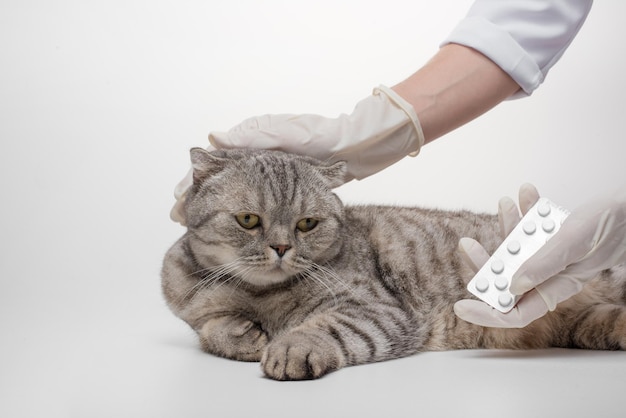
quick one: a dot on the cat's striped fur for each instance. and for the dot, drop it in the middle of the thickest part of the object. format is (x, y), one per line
(347, 285)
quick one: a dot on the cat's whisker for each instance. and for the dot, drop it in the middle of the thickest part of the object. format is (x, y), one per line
(197, 272)
(231, 271)
(209, 277)
(312, 275)
(327, 278)
(333, 278)
(242, 276)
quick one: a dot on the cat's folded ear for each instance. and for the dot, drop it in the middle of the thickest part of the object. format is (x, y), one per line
(336, 174)
(205, 164)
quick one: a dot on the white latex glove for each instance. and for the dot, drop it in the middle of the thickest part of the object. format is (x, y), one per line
(177, 213)
(180, 194)
(591, 239)
(382, 129)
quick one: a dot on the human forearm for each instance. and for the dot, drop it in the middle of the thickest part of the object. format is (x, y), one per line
(457, 85)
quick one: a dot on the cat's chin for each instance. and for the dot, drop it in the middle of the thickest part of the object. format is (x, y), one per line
(268, 278)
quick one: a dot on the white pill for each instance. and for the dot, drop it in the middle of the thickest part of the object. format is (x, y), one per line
(482, 284)
(501, 283)
(544, 209)
(497, 266)
(505, 299)
(513, 247)
(548, 225)
(529, 228)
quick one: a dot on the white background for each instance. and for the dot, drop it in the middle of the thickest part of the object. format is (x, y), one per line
(99, 104)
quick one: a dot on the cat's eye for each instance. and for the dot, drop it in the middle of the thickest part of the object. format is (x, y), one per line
(306, 224)
(248, 220)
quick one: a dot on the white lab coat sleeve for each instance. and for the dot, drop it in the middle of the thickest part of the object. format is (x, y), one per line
(523, 37)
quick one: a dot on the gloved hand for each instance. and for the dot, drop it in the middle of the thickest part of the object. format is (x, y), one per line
(382, 129)
(590, 240)
(177, 213)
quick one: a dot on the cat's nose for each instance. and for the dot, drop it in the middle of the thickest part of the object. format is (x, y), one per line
(280, 249)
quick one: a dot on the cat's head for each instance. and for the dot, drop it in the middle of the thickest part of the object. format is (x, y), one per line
(263, 216)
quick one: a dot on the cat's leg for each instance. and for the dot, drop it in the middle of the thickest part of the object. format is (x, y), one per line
(233, 337)
(601, 327)
(331, 341)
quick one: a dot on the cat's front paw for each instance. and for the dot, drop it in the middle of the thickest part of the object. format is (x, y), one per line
(234, 337)
(300, 355)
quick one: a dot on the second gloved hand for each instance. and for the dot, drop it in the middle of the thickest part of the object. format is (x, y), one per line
(382, 129)
(591, 239)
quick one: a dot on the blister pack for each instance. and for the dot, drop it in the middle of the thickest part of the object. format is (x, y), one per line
(491, 283)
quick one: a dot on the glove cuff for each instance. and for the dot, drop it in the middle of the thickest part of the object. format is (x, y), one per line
(396, 99)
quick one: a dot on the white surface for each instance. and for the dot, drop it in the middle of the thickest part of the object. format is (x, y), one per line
(99, 102)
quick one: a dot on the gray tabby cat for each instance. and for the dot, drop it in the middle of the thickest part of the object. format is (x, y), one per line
(273, 268)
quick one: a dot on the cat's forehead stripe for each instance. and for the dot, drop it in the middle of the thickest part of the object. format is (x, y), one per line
(282, 179)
